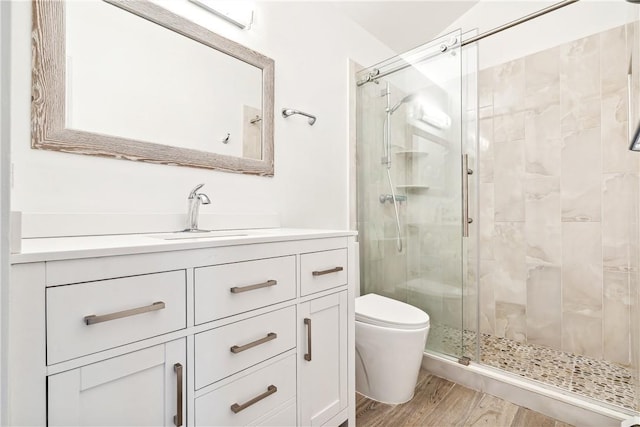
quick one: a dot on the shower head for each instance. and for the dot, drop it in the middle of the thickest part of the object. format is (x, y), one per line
(406, 99)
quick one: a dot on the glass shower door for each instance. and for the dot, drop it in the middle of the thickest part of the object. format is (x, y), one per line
(410, 185)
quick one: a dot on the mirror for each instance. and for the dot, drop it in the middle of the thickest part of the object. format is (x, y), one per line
(110, 80)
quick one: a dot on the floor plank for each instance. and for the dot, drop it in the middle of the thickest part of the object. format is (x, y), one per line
(492, 411)
(442, 403)
(454, 409)
(526, 417)
(428, 395)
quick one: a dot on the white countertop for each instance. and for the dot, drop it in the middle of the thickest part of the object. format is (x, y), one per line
(60, 248)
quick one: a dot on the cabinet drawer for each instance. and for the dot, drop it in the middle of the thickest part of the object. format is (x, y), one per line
(95, 316)
(322, 270)
(281, 417)
(228, 289)
(269, 388)
(229, 349)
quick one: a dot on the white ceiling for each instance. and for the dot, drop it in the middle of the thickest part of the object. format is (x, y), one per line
(403, 25)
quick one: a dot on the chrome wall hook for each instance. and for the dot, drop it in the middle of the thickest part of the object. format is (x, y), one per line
(225, 140)
(286, 112)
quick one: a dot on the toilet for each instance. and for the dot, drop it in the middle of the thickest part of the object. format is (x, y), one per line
(390, 340)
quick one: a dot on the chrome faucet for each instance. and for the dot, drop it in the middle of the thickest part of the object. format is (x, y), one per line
(195, 199)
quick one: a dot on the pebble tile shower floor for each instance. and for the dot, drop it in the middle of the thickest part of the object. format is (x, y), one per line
(596, 379)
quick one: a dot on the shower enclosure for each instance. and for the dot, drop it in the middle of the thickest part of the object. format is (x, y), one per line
(497, 193)
(410, 178)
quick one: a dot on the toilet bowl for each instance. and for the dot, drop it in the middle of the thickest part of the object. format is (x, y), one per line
(390, 340)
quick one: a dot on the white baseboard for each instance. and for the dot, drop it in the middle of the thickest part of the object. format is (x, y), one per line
(563, 407)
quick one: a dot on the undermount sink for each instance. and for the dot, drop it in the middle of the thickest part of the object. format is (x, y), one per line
(184, 235)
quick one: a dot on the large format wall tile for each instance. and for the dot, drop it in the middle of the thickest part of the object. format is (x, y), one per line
(487, 315)
(542, 200)
(580, 113)
(544, 305)
(582, 268)
(580, 68)
(543, 141)
(511, 321)
(582, 334)
(510, 269)
(619, 195)
(486, 224)
(616, 317)
(508, 87)
(614, 60)
(508, 181)
(542, 68)
(580, 184)
(486, 158)
(634, 298)
(616, 156)
(580, 84)
(508, 127)
(485, 88)
(543, 243)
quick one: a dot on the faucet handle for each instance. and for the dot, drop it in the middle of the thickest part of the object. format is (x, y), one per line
(192, 195)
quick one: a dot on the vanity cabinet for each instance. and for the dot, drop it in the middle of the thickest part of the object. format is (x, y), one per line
(142, 388)
(232, 331)
(323, 358)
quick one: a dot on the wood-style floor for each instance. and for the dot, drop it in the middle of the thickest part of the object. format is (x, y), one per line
(441, 403)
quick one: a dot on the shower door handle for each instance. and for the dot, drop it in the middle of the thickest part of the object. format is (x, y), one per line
(465, 195)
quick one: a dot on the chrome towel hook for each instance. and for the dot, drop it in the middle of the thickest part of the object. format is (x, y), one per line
(286, 112)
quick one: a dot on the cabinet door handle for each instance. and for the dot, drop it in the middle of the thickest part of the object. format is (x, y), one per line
(239, 349)
(237, 290)
(237, 407)
(93, 319)
(307, 356)
(177, 419)
(323, 272)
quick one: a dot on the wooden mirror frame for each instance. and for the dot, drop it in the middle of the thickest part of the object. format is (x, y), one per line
(48, 94)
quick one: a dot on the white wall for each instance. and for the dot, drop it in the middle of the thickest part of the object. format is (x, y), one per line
(572, 22)
(310, 44)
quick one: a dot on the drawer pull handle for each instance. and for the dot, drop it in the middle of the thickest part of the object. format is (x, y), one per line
(239, 349)
(237, 290)
(323, 272)
(92, 319)
(307, 355)
(237, 408)
(177, 419)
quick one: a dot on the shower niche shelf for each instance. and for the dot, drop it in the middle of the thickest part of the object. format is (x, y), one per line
(412, 187)
(411, 153)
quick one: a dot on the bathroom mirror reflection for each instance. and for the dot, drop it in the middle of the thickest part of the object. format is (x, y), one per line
(129, 79)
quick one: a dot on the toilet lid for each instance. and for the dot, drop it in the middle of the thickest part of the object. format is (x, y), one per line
(382, 311)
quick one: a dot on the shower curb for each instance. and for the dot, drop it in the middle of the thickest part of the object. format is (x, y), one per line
(563, 407)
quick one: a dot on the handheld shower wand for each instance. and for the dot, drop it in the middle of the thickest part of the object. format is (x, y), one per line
(386, 160)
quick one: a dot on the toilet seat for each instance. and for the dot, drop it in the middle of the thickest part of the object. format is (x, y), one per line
(377, 310)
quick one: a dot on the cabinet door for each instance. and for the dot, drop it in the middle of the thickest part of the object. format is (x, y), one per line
(322, 358)
(139, 388)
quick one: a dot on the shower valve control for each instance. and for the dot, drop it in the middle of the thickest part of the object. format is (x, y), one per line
(389, 198)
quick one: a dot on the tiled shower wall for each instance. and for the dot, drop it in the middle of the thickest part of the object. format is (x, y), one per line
(558, 199)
